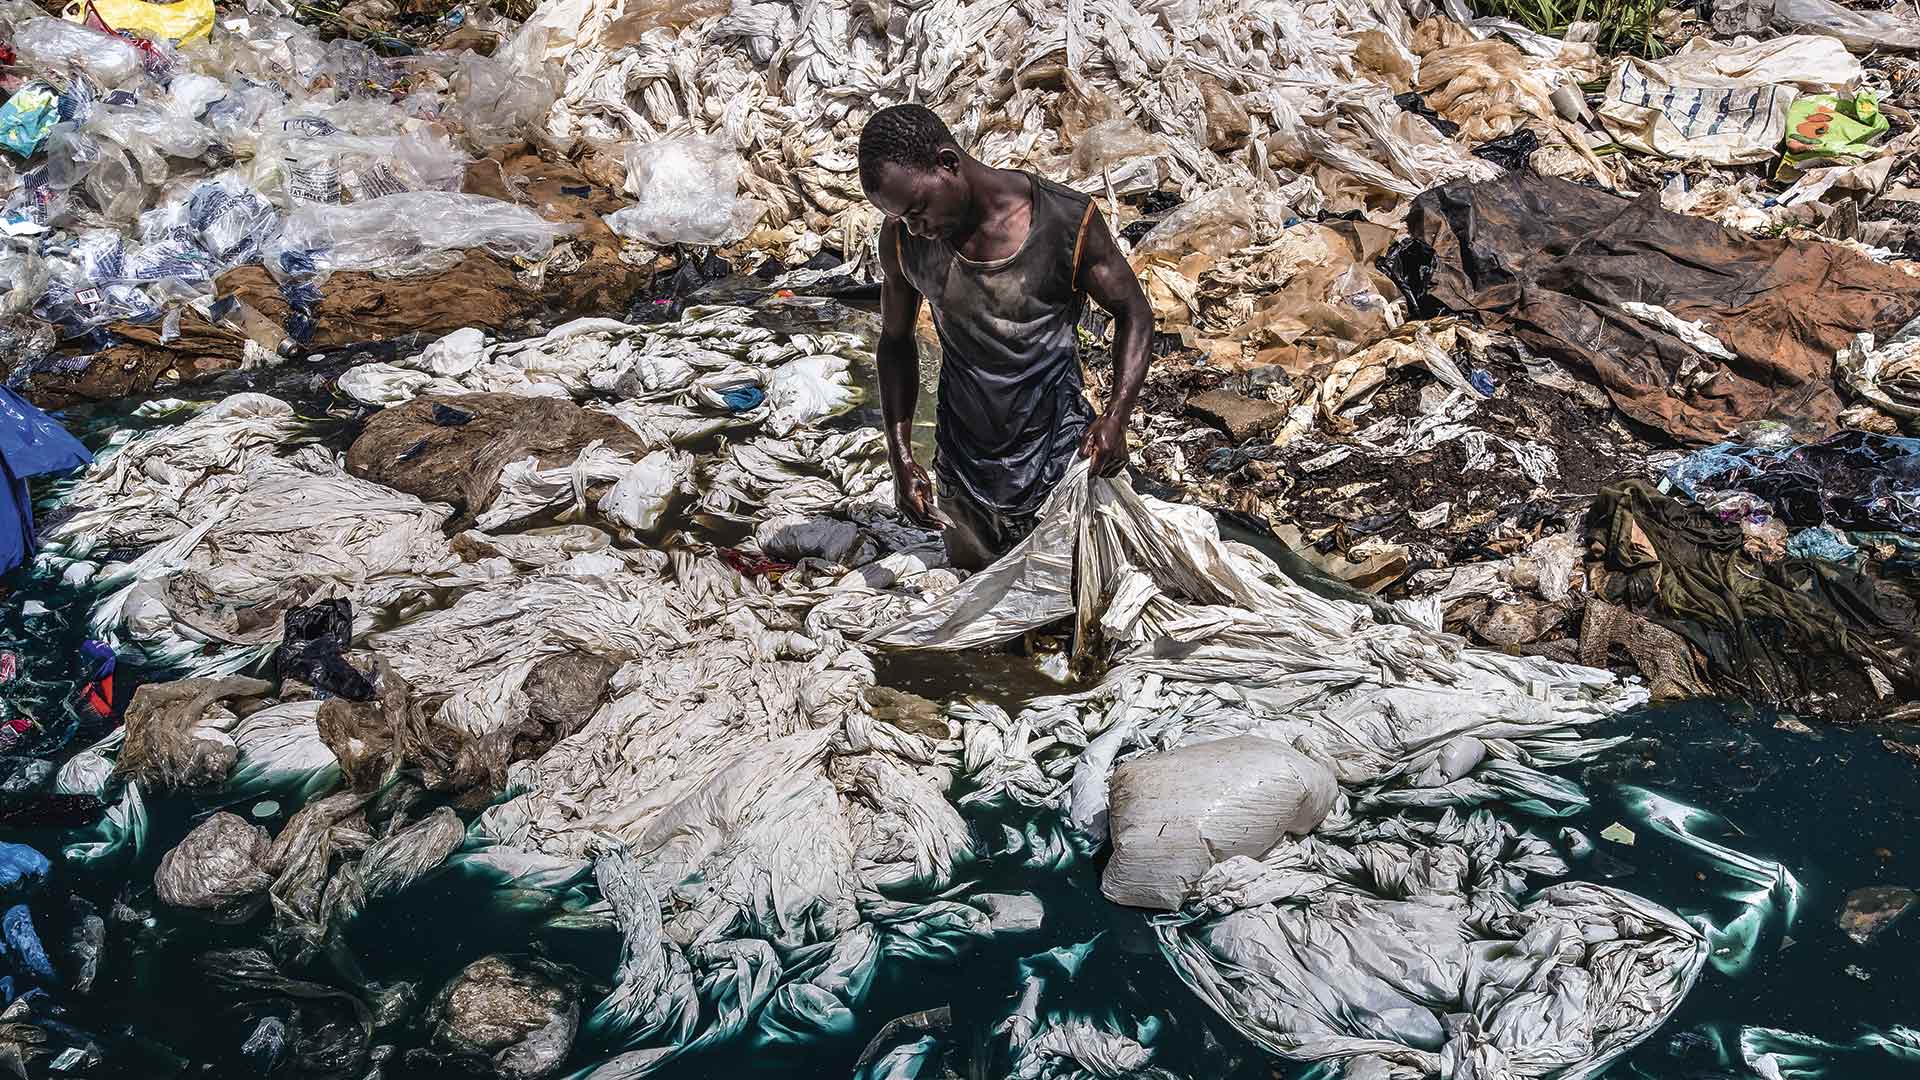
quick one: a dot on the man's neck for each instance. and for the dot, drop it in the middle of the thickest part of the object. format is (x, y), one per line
(998, 194)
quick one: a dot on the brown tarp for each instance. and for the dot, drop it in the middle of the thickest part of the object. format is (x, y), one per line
(1551, 261)
(451, 448)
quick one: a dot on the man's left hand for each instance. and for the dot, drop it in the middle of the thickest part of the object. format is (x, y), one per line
(1105, 446)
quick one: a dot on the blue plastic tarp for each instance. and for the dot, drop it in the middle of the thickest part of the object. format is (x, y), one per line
(31, 444)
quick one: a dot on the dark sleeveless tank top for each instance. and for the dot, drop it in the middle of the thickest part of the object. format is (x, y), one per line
(1013, 406)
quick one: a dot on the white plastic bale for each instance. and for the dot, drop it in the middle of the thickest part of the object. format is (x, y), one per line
(1178, 812)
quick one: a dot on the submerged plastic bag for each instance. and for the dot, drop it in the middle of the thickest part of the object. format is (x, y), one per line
(687, 192)
(219, 870)
(513, 1015)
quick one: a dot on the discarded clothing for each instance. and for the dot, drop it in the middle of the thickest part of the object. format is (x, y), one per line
(1823, 637)
(1552, 262)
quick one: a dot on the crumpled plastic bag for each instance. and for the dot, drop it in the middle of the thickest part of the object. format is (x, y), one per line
(219, 870)
(312, 650)
(52, 44)
(26, 117)
(170, 741)
(687, 190)
(22, 869)
(640, 498)
(1218, 223)
(412, 232)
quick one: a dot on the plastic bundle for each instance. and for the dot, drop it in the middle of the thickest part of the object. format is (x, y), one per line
(224, 219)
(55, 45)
(687, 190)
(325, 164)
(413, 232)
(90, 286)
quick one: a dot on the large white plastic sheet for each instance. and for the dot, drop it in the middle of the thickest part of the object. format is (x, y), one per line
(1383, 935)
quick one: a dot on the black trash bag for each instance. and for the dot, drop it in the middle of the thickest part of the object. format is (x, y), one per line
(671, 291)
(1414, 103)
(1409, 265)
(316, 636)
(1159, 202)
(1510, 153)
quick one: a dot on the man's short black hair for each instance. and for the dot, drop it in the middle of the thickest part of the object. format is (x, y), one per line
(910, 136)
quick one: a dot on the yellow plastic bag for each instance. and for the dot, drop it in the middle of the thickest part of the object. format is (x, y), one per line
(182, 22)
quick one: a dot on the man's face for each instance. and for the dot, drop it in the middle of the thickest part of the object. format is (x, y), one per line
(930, 203)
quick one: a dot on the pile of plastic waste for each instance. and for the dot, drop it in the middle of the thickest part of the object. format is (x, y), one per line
(690, 745)
(533, 596)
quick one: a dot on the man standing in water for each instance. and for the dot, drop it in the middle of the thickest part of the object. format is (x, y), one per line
(1006, 260)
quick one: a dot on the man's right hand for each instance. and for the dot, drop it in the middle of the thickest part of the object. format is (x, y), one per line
(913, 492)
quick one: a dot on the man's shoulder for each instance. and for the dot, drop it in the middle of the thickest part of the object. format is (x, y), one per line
(1059, 191)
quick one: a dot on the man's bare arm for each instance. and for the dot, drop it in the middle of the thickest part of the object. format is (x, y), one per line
(1107, 278)
(897, 356)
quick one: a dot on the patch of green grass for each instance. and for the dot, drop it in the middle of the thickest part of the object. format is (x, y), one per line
(1625, 25)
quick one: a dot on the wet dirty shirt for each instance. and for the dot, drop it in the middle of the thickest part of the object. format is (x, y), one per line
(1013, 404)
